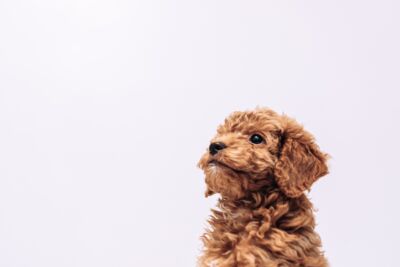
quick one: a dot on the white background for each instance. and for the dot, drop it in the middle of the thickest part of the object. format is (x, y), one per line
(106, 107)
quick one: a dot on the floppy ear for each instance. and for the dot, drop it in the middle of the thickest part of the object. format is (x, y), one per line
(300, 161)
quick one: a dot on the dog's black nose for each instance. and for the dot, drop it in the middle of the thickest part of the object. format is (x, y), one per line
(215, 147)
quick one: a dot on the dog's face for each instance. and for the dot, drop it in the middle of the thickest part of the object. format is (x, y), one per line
(256, 147)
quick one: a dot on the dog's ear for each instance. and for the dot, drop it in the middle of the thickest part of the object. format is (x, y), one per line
(300, 162)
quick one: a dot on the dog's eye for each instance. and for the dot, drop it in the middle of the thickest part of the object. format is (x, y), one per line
(256, 139)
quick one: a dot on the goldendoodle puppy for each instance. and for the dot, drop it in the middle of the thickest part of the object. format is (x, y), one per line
(261, 163)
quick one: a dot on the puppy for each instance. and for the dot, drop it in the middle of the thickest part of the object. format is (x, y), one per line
(261, 163)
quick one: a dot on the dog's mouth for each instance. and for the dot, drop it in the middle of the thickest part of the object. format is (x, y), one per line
(223, 165)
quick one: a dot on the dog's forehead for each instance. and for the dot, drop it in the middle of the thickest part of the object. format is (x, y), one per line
(259, 120)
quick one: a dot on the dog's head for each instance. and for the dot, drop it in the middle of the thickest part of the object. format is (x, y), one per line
(259, 147)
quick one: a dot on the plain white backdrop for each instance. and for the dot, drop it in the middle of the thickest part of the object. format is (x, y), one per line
(106, 107)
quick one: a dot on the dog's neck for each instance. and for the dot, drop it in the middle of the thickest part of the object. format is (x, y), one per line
(260, 194)
(270, 202)
(266, 221)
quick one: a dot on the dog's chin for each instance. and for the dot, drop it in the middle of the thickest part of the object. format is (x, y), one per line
(232, 183)
(225, 180)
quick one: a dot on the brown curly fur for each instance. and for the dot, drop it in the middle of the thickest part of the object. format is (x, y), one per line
(263, 219)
